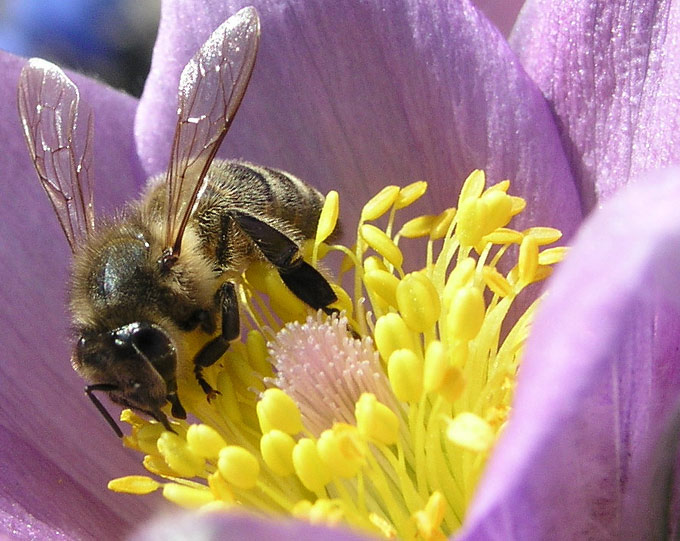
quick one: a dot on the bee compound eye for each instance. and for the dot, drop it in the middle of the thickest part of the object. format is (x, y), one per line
(152, 341)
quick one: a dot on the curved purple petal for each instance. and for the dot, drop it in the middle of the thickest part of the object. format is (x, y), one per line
(356, 96)
(57, 453)
(239, 525)
(612, 75)
(600, 378)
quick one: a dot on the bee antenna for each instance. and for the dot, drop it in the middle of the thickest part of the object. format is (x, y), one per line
(103, 387)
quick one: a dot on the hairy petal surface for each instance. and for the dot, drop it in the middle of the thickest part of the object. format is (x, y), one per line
(611, 73)
(599, 382)
(49, 470)
(353, 96)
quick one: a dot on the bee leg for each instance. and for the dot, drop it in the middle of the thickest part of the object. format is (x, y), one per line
(177, 410)
(215, 348)
(307, 283)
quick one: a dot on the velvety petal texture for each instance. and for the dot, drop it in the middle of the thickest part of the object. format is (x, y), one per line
(612, 75)
(56, 452)
(598, 384)
(352, 96)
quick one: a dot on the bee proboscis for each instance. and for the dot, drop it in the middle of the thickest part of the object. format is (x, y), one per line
(162, 269)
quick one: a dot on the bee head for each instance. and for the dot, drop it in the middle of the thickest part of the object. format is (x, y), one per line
(134, 363)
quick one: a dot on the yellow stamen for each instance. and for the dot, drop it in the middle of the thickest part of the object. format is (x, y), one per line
(375, 420)
(382, 418)
(134, 484)
(238, 466)
(276, 410)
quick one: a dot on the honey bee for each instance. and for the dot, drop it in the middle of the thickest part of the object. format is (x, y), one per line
(166, 267)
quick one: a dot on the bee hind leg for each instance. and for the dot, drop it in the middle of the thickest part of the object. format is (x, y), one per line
(215, 348)
(307, 283)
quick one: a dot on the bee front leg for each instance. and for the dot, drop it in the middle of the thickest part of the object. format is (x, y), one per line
(215, 348)
(307, 283)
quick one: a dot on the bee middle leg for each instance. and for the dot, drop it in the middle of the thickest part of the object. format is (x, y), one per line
(215, 348)
(307, 283)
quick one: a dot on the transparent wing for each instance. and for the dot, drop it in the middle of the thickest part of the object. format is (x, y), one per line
(60, 149)
(211, 88)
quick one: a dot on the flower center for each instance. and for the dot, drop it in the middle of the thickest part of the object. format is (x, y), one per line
(381, 418)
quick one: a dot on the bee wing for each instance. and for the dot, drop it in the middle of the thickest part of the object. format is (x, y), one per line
(61, 151)
(211, 88)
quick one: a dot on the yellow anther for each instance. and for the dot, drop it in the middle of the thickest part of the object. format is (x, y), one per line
(518, 205)
(551, 256)
(418, 301)
(381, 243)
(376, 421)
(256, 346)
(461, 275)
(471, 432)
(471, 225)
(472, 187)
(411, 193)
(497, 210)
(277, 452)
(134, 484)
(442, 223)
(380, 203)
(418, 227)
(188, 497)
(429, 519)
(503, 235)
(542, 273)
(452, 384)
(544, 235)
(147, 437)
(501, 186)
(496, 282)
(329, 217)
(342, 450)
(405, 371)
(439, 374)
(344, 302)
(384, 284)
(238, 466)
(220, 488)
(391, 333)
(325, 511)
(204, 441)
(156, 465)
(283, 301)
(301, 509)
(309, 467)
(178, 456)
(528, 260)
(466, 314)
(130, 417)
(372, 263)
(277, 410)
(436, 363)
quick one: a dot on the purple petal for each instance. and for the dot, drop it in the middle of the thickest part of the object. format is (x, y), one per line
(356, 96)
(611, 72)
(600, 378)
(57, 452)
(237, 526)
